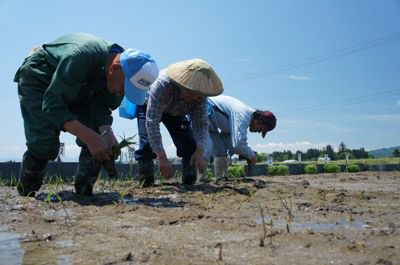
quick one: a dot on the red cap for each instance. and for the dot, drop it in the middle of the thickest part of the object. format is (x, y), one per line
(269, 122)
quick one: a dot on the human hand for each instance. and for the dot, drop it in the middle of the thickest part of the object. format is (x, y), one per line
(197, 160)
(252, 161)
(99, 148)
(107, 133)
(165, 166)
(95, 143)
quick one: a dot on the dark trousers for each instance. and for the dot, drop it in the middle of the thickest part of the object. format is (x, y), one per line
(177, 126)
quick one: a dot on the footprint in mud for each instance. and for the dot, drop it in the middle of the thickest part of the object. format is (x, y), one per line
(304, 206)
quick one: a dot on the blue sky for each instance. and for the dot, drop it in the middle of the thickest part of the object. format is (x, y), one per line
(329, 70)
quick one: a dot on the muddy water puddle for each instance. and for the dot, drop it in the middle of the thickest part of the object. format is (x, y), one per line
(301, 226)
(10, 248)
(16, 249)
(167, 201)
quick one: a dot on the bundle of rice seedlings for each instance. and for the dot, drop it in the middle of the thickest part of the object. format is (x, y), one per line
(109, 165)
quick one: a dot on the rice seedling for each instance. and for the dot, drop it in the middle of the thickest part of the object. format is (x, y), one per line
(287, 205)
(264, 235)
(109, 165)
(55, 186)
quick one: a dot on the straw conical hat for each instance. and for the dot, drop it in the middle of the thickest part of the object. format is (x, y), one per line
(196, 75)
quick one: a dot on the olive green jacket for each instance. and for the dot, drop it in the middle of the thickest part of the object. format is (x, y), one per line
(73, 69)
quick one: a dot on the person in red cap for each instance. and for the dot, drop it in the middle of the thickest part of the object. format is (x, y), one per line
(229, 121)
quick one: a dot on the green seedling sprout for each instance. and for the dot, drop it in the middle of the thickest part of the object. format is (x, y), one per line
(109, 165)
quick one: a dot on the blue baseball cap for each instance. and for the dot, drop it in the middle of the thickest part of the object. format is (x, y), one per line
(140, 72)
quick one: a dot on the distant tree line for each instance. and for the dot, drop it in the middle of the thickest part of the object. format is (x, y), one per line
(313, 154)
(396, 152)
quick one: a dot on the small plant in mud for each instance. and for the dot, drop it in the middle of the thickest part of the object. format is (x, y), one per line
(264, 234)
(311, 169)
(13, 181)
(109, 165)
(287, 205)
(331, 168)
(208, 175)
(236, 171)
(106, 184)
(353, 168)
(158, 178)
(281, 170)
(55, 185)
(57, 182)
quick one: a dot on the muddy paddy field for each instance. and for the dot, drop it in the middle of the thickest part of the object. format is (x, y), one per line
(344, 218)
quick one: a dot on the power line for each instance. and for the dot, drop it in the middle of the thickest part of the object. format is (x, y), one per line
(346, 102)
(320, 58)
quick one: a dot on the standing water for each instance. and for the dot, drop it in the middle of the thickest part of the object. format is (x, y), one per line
(10, 250)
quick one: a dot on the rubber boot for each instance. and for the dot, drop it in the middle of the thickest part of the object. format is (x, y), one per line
(146, 172)
(31, 174)
(221, 167)
(189, 172)
(88, 171)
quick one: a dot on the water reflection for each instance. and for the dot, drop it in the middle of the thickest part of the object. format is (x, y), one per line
(16, 250)
(10, 250)
(161, 201)
(298, 226)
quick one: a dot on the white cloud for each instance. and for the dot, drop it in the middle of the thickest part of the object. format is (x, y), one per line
(301, 145)
(295, 77)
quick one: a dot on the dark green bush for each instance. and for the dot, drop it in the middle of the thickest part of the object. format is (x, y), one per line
(236, 171)
(353, 168)
(331, 168)
(281, 170)
(311, 169)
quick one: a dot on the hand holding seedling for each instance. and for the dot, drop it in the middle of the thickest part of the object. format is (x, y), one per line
(99, 149)
(109, 164)
(96, 144)
(107, 133)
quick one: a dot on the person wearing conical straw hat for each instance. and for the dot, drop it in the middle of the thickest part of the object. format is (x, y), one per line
(229, 121)
(181, 89)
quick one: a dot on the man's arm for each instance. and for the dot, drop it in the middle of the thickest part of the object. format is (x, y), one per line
(97, 146)
(155, 107)
(239, 126)
(200, 131)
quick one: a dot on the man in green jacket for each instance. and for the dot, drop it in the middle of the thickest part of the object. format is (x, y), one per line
(72, 84)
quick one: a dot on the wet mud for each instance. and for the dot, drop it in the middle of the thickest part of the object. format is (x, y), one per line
(346, 218)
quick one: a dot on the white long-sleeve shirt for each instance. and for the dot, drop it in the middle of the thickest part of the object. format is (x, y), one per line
(234, 120)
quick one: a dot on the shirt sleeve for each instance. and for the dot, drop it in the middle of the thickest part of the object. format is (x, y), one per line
(200, 123)
(75, 80)
(157, 97)
(239, 128)
(68, 78)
